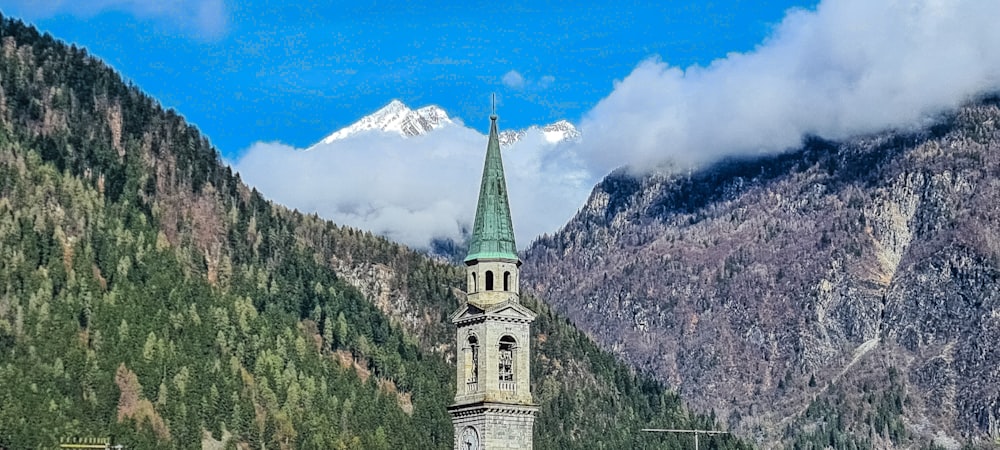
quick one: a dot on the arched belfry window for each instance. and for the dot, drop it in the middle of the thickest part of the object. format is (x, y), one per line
(506, 363)
(475, 283)
(472, 365)
(489, 280)
(506, 281)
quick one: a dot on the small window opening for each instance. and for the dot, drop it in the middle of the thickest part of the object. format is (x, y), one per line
(506, 281)
(472, 365)
(506, 363)
(489, 280)
(475, 283)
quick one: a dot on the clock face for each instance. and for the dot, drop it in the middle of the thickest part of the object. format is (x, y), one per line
(470, 439)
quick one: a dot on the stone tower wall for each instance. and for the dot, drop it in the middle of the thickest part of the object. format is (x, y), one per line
(488, 333)
(476, 285)
(499, 428)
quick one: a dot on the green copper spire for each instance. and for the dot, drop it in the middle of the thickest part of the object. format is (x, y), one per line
(492, 234)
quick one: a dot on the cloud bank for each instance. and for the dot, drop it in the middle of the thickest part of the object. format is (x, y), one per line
(849, 67)
(416, 189)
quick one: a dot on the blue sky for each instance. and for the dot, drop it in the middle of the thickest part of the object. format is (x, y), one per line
(293, 72)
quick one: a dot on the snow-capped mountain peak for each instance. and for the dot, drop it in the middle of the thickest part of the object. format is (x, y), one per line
(509, 137)
(553, 133)
(398, 118)
(560, 131)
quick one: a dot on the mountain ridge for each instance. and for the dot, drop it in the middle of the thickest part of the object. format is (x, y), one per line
(398, 118)
(553, 133)
(395, 117)
(782, 292)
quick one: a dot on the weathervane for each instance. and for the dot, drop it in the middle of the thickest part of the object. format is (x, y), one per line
(494, 115)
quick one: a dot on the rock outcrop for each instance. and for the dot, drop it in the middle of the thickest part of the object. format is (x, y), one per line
(759, 287)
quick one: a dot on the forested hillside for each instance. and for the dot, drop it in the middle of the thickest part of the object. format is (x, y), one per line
(147, 295)
(844, 294)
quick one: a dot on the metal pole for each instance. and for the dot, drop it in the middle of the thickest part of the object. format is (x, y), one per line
(694, 432)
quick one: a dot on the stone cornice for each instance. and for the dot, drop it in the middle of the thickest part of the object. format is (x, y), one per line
(491, 407)
(459, 317)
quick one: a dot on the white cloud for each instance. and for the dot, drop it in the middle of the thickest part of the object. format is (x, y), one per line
(850, 67)
(513, 80)
(205, 18)
(415, 189)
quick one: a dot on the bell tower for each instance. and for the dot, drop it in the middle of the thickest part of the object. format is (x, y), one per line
(493, 406)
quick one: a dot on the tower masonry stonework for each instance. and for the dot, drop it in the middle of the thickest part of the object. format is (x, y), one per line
(493, 406)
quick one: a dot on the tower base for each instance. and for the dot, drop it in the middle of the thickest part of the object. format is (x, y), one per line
(499, 426)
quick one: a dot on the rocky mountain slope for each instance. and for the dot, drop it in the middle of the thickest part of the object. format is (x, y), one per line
(846, 294)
